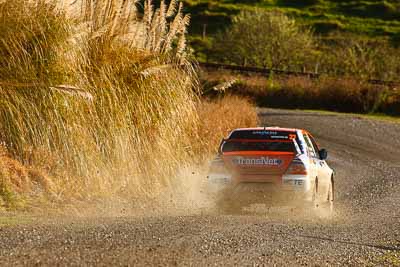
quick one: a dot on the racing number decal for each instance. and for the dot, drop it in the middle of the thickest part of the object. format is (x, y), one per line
(292, 136)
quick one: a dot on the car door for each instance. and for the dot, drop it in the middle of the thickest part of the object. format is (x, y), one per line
(312, 155)
(322, 166)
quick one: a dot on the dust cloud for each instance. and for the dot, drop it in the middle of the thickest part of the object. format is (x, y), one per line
(190, 193)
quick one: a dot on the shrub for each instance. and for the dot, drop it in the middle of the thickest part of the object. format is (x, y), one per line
(362, 58)
(266, 39)
(344, 94)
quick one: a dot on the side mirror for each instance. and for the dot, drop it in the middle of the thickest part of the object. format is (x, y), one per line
(323, 154)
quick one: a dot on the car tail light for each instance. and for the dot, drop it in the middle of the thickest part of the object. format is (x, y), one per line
(297, 167)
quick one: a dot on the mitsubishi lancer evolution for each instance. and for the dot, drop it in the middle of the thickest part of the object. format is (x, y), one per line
(271, 161)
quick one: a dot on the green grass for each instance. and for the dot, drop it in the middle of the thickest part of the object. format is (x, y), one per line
(378, 116)
(366, 18)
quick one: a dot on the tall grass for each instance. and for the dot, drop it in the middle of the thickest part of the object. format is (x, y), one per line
(105, 94)
(218, 117)
(100, 99)
(345, 94)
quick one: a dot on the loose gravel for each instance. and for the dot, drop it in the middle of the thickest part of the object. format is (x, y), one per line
(365, 230)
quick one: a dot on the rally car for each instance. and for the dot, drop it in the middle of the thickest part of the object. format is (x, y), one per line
(267, 161)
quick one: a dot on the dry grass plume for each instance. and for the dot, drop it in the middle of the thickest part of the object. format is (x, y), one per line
(99, 99)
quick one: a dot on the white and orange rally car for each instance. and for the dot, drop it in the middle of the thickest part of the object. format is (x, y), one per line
(272, 160)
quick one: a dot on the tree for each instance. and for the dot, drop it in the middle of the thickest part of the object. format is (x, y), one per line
(265, 39)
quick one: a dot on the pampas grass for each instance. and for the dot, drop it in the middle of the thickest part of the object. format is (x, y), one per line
(99, 100)
(111, 111)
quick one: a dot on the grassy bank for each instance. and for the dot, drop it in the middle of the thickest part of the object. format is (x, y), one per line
(376, 116)
(367, 18)
(357, 39)
(97, 101)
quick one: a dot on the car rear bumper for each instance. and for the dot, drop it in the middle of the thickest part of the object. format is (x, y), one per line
(290, 183)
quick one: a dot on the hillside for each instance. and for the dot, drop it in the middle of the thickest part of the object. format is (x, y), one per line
(366, 18)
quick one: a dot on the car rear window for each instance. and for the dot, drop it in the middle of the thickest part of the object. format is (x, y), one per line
(263, 135)
(236, 145)
(266, 135)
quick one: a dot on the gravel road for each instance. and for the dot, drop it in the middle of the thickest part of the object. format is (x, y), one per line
(365, 230)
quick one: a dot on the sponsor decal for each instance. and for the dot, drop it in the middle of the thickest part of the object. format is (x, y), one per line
(279, 137)
(275, 135)
(264, 133)
(257, 161)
